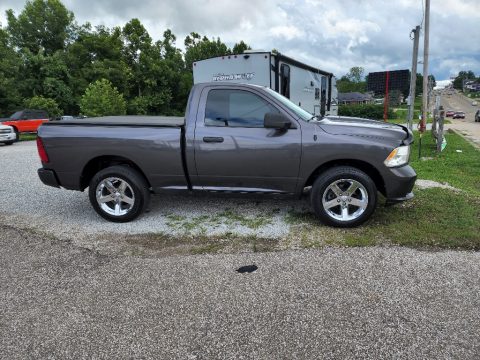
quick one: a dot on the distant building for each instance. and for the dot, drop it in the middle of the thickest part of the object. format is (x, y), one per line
(354, 98)
(472, 85)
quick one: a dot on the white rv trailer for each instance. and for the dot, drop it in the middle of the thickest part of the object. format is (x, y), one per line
(313, 89)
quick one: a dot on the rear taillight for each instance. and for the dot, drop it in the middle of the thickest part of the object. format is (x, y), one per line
(41, 151)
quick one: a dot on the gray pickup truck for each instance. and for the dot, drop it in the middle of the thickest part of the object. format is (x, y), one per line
(234, 137)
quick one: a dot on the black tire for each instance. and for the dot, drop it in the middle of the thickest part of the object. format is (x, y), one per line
(17, 135)
(343, 177)
(136, 191)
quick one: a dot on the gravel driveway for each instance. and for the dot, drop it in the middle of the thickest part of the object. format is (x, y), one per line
(69, 213)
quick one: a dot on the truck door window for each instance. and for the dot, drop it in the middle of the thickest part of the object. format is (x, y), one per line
(236, 108)
(285, 80)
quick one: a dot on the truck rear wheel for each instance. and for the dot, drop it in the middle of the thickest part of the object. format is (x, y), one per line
(119, 193)
(344, 196)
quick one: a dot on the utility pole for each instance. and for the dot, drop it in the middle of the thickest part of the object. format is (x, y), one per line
(413, 77)
(425, 67)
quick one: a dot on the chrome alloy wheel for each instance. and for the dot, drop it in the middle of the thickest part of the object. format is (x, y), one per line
(345, 199)
(115, 196)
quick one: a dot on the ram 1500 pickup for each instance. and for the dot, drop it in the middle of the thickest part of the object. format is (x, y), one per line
(234, 137)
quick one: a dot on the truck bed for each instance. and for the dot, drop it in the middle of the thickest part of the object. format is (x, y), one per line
(156, 121)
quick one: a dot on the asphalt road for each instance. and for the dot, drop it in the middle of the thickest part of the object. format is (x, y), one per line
(59, 301)
(467, 127)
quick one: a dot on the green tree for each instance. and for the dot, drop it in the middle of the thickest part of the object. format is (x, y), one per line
(101, 99)
(356, 74)
(97, 54)
(463, 75)
(419, 83)
(10, 62)
(239, 48)
(198, 48)
(42, 103)
(353, 81)
(43, 25)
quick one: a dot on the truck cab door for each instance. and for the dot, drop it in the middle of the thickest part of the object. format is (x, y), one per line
(233, 149)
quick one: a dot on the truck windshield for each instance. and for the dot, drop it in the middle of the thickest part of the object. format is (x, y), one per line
(302, 114)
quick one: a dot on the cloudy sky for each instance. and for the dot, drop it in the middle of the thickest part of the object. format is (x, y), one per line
(331, 34)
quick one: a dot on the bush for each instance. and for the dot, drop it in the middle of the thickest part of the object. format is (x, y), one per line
(43, 103)
(101, 98)
(368, 111)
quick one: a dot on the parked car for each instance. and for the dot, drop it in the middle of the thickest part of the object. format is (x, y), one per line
(7, 135)
(477, 116)
(474, 103)
(459, 115)
(233, 137)
(26, 120)
(449, 113)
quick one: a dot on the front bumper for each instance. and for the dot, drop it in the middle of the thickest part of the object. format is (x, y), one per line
(399, 184)
(6, 137)
(48, 177)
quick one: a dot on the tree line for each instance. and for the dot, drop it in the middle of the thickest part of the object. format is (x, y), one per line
(49, 60)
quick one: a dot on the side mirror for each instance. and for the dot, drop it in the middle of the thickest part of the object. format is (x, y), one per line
(276, 121)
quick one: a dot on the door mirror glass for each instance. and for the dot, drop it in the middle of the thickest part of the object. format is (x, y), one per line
(276, 121)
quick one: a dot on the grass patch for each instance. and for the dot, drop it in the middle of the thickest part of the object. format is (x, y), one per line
(27, 137)
(434, 218)
(164, 244)
(459, 169)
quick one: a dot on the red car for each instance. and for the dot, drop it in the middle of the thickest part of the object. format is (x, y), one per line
(449, 113)
(459, 115)
(26, 120)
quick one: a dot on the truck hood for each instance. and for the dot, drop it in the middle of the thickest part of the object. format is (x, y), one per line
(352, 126)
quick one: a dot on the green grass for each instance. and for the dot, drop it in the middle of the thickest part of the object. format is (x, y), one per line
(459, 169)
(27, 137)
(435, 218)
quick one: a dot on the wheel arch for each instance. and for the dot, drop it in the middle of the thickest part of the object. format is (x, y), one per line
(364, 166)
(102, 162)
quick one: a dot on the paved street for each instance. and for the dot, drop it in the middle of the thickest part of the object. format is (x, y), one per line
(61, 301)
(467, 127)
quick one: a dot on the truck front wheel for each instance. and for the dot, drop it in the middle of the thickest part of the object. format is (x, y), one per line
(344, 196)
(119, 193)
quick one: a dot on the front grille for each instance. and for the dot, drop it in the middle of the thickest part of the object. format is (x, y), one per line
(5, 131)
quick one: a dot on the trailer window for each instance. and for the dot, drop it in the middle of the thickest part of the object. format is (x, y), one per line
(285, 80)
(236, 108)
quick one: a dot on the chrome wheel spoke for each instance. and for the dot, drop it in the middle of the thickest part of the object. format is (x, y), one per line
(362, 204)
(122, 187)
(109, 186)
(330, 204)
(352, 188)
(107, 198)
(117, 209)
(128, 200)
(336, 190)
(345, 213)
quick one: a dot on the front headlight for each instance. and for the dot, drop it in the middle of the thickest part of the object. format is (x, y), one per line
(398, 156)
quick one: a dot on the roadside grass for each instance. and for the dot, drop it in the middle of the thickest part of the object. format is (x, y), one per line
(458, 165)
(434, 218)
(27, 137)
